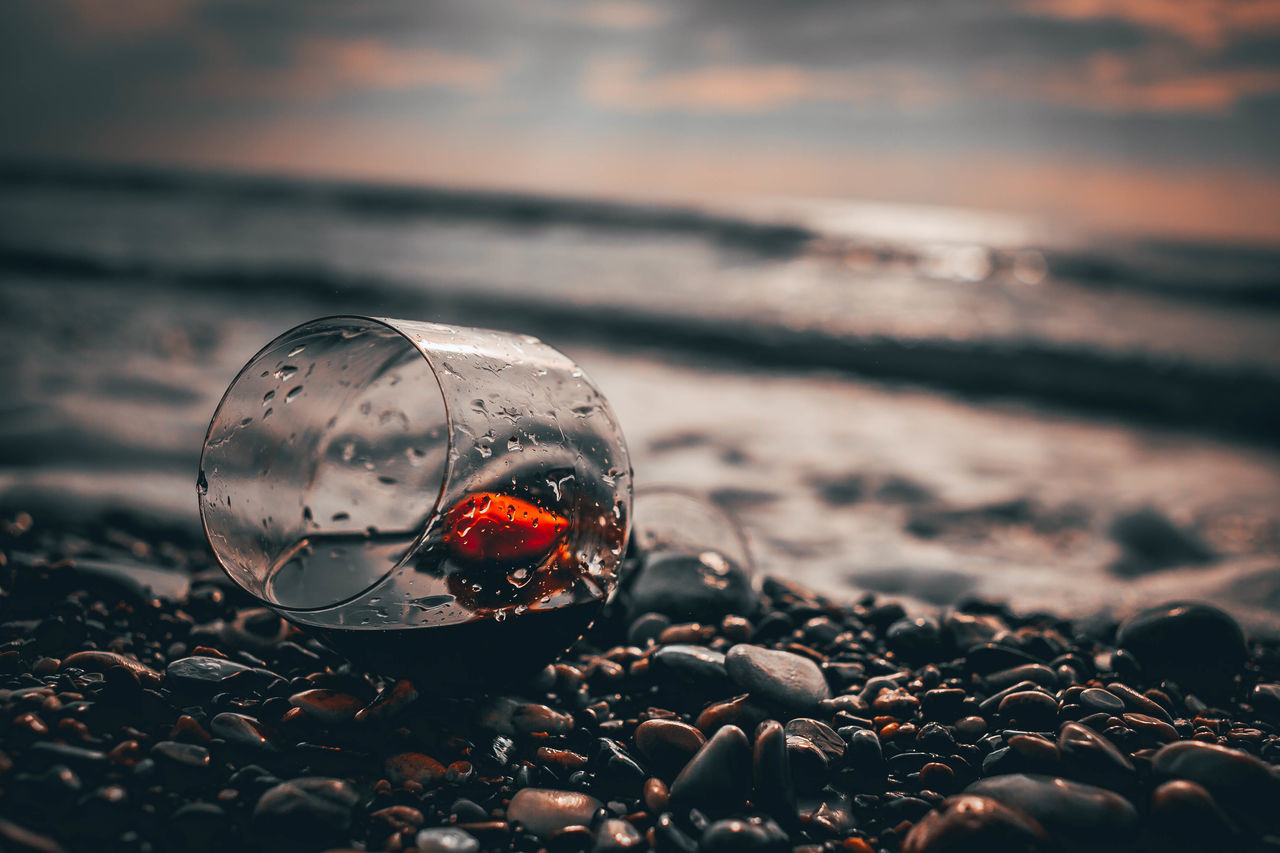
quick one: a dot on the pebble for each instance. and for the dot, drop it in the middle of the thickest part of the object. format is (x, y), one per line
(915, 640)
(327, 707)
(1097, 699)
(241, 730)
(696, 665)
(1081, 817)
(200, 673)
(969, 822)
(1246, 786)
(668, 744)
(614, 835)
(1030, 709)
(96, 661)
(542, 811)
(702, 587)
(1188, 818)
(754, 835)
(311, 811)
(776, 677)
(1092, 757)
(771, 771)
(718, 778)
(1195, 644)
(413, 767)
(446, 839)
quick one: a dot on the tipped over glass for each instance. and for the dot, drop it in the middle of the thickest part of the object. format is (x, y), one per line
(443, 503)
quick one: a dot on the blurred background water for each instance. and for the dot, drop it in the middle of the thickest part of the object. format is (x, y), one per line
(990, 314)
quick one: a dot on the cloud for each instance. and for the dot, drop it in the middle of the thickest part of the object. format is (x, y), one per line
(619, 83)
(1205, 23)
(324, 67)
(1119, 83)
(622, 15)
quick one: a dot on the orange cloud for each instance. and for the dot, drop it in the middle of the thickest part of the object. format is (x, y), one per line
(1111, 82)
(1206, 23)
(622, 15)
(1213, 202)
(325, 67)
(621, 84)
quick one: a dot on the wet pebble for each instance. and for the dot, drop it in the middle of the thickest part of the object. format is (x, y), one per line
(974, 823)
(1192, 643)
(446, 839)
(668, 743)
(718, 778)
(542, 811)
(98, 661)
(1081, 817)
(1246, 786)
(776, 677)
(615, 835)
(702, 587)
(753, 835)
(327, 707)
(308, 812)
(413, 767)
(241, 730)
(201, 673)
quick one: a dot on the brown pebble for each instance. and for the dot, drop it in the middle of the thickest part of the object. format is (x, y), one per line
(413, 767)
(98, 661)
(189, 730)
(327, 707)
(739, 711)
(972, 823)
(692, 633)
(936, 776)
(566, 759)
(1157, 731)
(656, 795)
(668, 743)
(1034, 748)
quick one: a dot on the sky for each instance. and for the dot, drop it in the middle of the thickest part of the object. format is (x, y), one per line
(1145, 116)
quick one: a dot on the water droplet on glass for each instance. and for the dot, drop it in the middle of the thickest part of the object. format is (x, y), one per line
(297, 350)
(293, 394)
(267, 414)
(340, 516)
(348, 451)
(520, 577)
(202, 483)
(513, 444)
(286, 372)
(499, 616)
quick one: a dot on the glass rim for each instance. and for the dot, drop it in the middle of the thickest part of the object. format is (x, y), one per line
(429, 517)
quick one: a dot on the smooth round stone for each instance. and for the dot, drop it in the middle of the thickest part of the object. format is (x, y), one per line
(241, 730)
(99, 661)
(1030, 709)
(821, 735)
(446, 839)
(754, 834)
(970, 823)
(1245, 786)
(1080, 817)
(201, 673)
(668, 743)
(779, 678)
(718, 778)
(771, 771)
(1096, 699)
(616, 834)
(693, 664)
(702, 587)
(542, 811)
(327, 707)
(1195, 644)
(413, 767)
(1092, 755)
(187, 755)
(1186, 816)
(311, 811)
(914, 640)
